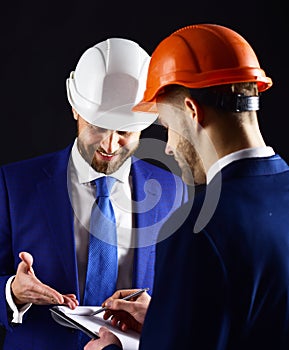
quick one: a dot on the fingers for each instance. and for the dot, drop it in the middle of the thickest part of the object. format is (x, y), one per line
(119, 294)
(27, 288)
(27, 258)
(42, 294)
(122, 321)
(135, 308)
(103, 331)
(119, 304)
(106, 338)
(120, 308)
(70, 301)
(128, 305)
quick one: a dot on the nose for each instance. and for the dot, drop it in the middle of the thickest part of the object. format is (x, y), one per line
(169, 150)
(110, 143)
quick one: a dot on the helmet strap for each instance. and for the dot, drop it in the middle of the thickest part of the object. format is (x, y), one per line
(226, 101)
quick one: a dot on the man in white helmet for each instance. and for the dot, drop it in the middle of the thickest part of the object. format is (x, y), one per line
(45, 202)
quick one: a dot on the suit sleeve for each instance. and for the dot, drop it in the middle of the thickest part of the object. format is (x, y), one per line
(112, 347)
(6, 257)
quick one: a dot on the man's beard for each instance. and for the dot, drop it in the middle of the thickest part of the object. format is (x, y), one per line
(190, 163)
(107, 167)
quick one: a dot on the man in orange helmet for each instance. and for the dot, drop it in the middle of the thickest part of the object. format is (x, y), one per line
(222, 279)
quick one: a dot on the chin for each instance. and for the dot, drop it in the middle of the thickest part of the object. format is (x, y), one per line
(188, 178)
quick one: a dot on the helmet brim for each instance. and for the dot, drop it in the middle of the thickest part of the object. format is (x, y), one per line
(147, 107)
(121, 118)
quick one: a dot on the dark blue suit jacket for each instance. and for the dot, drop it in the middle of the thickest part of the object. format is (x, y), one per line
(227, 287)
(36, 216)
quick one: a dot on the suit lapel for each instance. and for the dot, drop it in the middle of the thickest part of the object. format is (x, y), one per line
(54, 191)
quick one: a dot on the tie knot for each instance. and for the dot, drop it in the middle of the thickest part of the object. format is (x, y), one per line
(104, 185)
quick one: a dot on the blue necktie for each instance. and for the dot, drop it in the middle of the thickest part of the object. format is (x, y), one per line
(102, 265)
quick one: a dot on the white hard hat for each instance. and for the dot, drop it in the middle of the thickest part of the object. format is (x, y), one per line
(109, 79)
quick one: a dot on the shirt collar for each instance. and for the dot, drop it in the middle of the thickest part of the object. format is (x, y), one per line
(265, 151)
(85, 173)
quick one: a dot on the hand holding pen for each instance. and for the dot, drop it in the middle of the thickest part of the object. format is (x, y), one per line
(129, 296)
(128, 308)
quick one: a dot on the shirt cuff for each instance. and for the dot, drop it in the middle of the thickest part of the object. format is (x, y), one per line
(17, 313)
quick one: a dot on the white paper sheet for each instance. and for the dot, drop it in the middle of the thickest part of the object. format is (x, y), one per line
(129, 339)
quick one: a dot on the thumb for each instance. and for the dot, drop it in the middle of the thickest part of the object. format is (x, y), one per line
(103, 331)
(27, 258)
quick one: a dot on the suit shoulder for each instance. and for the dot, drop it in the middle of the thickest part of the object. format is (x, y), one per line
(31, 164)
(154, 168)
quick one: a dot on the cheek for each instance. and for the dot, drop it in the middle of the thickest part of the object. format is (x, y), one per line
(90, 136)
(130, 142)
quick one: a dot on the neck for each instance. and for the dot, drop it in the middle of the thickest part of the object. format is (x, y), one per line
(232, 133)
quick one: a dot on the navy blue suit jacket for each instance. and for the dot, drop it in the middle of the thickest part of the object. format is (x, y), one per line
(227, 287)
(36, 216)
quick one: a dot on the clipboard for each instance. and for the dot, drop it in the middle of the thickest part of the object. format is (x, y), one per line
(88, 320)
(74, 323)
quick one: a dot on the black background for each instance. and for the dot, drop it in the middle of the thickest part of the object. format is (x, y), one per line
(42, 41)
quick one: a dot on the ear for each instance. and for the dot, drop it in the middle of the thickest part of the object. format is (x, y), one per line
(75, 114)
(195, 109)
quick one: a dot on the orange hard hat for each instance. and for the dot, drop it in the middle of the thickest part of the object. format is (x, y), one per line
(200, 56)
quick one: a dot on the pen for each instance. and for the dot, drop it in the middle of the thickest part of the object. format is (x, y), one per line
(125, 298)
